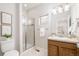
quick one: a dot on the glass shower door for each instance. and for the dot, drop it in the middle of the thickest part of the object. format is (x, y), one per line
(28, 35)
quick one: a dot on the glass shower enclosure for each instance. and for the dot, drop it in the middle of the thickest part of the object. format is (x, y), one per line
(28, 34)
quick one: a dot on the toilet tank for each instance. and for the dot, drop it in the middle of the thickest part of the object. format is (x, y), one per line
(7, 45)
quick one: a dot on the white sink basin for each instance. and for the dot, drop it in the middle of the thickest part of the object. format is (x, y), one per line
(57, 37)
(65, 39)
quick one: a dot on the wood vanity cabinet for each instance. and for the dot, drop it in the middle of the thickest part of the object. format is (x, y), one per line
(53, 51)
(58, 48)
(77, 51)
(67, 52)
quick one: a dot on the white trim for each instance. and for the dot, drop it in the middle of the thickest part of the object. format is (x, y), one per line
(20, 25)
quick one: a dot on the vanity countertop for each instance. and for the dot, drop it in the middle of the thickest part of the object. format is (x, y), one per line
(63, 39)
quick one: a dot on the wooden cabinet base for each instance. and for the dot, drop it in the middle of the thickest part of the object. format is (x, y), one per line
(67, 52)
(57, 48)
(53, 50)
(77, 51)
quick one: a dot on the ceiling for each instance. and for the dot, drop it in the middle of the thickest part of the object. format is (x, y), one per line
(31, 5)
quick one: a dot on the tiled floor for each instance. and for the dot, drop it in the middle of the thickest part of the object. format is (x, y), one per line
(35, 52)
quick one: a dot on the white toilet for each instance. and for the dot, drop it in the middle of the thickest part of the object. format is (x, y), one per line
(8, 48)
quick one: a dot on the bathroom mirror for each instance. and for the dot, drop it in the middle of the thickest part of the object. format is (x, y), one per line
(61, 23)
(74, 29)
(6, 23)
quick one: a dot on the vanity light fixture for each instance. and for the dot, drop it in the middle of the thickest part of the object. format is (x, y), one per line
(25, 5)
(54, 11)
(66, 7)
(60, 9)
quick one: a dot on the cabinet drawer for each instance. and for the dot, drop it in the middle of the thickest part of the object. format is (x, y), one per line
(62, 44)
(67, 52)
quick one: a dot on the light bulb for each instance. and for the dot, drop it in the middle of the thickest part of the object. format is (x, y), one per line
(66, 7)
(60, 9)
(25, 5)
(54, 11)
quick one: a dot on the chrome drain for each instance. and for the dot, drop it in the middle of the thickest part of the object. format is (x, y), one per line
(37, 50)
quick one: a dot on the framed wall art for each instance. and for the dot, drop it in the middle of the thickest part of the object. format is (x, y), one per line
(6, 24)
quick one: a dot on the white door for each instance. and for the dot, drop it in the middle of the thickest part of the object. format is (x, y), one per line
(41, 32)
(37, 31)
(44, 23)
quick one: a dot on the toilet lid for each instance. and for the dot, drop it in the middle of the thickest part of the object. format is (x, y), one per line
(12, 53)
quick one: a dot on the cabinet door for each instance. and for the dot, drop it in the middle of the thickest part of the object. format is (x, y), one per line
(67, 52)
(52, 50)
(77, 51)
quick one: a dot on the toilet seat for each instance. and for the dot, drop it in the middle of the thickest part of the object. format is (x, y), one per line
(11, 53)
